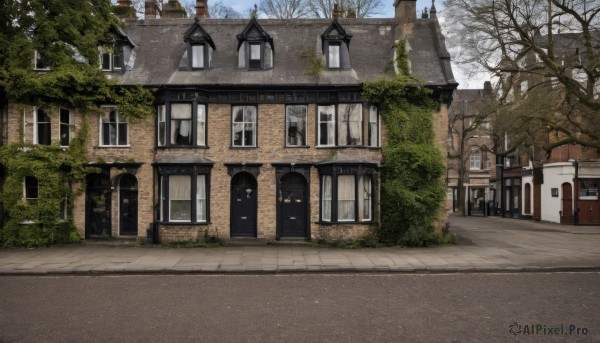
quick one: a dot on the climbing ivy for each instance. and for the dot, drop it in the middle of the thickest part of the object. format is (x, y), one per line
(67, 34)
(412, 190)
(40, 221)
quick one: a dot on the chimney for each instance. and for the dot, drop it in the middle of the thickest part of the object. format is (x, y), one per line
(202, 9)
(487, 88)
(406, 10)
(150, 9)
(173, 9)
(123, 3)
(336, 11)
(124, 10)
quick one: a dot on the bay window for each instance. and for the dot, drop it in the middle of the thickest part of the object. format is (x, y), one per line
(346, 193)
(345, 126)
(184, 190)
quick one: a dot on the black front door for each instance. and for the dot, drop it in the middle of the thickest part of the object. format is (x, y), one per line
(293, 206)
(128, 205)
(97, 206)
(243, 205)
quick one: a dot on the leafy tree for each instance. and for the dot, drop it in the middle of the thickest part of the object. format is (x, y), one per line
(546, 56)
(67, 34)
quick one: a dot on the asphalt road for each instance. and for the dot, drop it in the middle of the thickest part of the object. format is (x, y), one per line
(302, 308)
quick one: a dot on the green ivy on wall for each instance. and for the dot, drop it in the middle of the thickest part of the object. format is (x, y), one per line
(40, 222)
(412, 188)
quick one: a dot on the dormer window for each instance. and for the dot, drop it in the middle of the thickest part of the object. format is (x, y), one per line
(255, 48)
(335, 43)
(40, 62)
(200, 47)
(112, 60)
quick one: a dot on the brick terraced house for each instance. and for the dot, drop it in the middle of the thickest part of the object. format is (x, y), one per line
(244, 143)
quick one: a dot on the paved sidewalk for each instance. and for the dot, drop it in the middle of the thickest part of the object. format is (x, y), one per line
(489, 244)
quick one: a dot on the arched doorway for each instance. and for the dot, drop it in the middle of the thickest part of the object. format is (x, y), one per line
(243, 205)
(97, 206)
(292, 207)
(567, 204)
(128, 205)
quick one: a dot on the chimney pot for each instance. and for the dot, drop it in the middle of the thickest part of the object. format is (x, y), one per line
(202, 9)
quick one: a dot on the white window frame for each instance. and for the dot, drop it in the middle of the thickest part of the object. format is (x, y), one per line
(118, 122)
(36, 58)
(35, 139)
(475, 160)
(331, 125)
(201, 197)
(188, 199)
(587, 196)
(25, 188)
(243, 123)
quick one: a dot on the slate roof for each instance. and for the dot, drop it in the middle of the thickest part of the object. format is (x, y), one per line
(160, 47)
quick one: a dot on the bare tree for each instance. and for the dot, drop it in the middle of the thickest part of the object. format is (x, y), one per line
(284, 9)
(546, 56)
(348, 8)
(218, 10)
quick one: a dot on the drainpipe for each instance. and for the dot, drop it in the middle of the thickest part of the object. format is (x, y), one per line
(500, 181)
(575, 189)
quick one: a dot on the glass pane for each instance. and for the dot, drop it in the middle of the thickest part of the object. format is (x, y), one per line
(334, 56)
(364, 198)
(198, 56)
(106, 61)
(326, 125)
(31, 187)
(238, 129)
(326, 200)
(181, 111)
(201, 198)
(180, 210)
(350, 124)
(180, 187)
(255, 51)
(296, 125)
(122, 133)
(201, 139)
(117, 59)
(346, 197)
(249, 135)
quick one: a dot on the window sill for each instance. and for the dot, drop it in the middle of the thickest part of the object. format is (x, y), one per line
(182, 223)
(166, 147)
(347, 147)
(243, 147)
(588, 198)
(297, 146)
(345, 223)
(113, 146)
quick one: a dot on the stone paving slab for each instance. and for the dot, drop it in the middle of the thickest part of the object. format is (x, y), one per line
(484, 245)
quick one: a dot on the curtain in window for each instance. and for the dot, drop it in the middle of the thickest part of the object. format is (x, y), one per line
(364, 198)
(197, 56)
(346, 197)
(349, 124)
(326, 198)
(326, 125)
(181, 124)
(201, 198)
(373, 127)
(179, 197)
(334, 56)
(201, 139)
